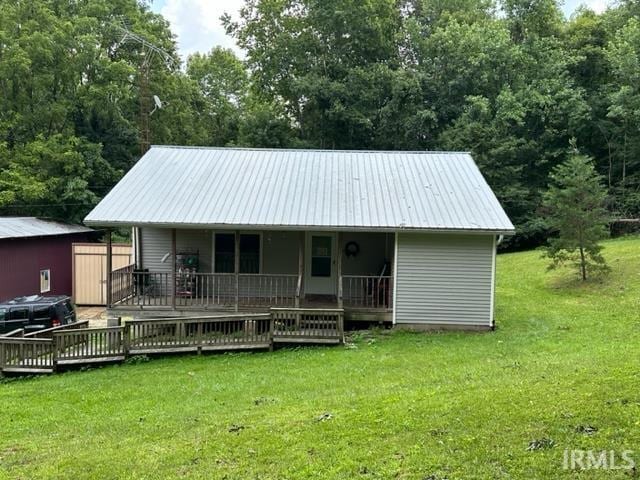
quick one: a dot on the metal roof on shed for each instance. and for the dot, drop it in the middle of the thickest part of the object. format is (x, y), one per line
(194, 187)
(24, 227)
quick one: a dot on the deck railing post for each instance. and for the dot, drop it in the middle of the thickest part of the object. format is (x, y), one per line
(109, 280)
(339, 269)
(125, 338)
(300, 268)
(199, 336)
(236, 268)
(174, 279)
(272, 324)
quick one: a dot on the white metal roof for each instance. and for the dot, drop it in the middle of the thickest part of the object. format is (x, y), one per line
(23, 227)
(192, 187)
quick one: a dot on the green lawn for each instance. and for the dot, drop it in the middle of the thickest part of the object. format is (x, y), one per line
(565, 357)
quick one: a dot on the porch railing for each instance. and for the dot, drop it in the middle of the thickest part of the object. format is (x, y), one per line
(267, 290)
(248, 290)
(202, 290)
(206, 289)
(367, 291)
(121, 283)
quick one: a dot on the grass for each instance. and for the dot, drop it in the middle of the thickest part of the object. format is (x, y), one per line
(560, 372)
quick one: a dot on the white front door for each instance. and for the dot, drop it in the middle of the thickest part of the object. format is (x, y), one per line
(320, 263)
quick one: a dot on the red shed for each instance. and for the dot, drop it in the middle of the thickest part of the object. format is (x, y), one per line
(36, 256)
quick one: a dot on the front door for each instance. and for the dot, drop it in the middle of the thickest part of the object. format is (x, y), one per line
(320, 267)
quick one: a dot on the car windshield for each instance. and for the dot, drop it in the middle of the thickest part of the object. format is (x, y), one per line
(3, 314)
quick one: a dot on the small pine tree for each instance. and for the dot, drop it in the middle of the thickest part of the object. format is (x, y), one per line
(574, 206)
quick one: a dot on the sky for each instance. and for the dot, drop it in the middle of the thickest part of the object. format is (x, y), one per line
(196, 23)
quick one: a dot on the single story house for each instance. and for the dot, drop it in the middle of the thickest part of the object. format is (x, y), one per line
(404, 237)
(36, 256)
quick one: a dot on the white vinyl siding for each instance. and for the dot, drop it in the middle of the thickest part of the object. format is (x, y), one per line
(444, 279)
(156, 244)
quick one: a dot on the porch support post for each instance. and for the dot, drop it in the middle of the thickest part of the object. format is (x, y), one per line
(339, 267)
(174, 279)
(300, 268)
(109, 268)
(236, 267)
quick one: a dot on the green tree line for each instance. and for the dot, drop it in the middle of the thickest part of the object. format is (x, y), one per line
(514, 82)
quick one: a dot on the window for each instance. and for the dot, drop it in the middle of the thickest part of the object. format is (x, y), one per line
(249, 253)
(41, 313)
(45, 280)
(321, 256)
(19, 314)
(3, 314)
(225, 255)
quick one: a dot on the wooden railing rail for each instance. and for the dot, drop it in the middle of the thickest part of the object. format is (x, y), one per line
(364, 291)
(45, 350)
(18, 332)
(203, 290)
(256, 289)
(19, 354)
(139, 289)
(122, 283)
(48, 332)
(200, 333)
(300, 324)
(96, 344)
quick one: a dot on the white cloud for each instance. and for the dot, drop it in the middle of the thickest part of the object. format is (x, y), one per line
(597, 6)
(197, 24)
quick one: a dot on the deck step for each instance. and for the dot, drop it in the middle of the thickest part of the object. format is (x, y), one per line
(26, 370)
(88, 360)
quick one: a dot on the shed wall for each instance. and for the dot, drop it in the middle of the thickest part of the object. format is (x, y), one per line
(90, 270)
(22, 259)
(444, 279)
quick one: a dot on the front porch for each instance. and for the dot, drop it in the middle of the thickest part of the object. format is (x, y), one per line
(254, 271)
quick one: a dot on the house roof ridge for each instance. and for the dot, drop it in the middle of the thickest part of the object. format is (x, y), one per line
(319, 150)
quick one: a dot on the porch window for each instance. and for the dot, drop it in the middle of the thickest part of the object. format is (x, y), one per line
(249, 253)
(225, 253)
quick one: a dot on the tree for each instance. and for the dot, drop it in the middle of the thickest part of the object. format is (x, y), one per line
(328, 62)
(623, 53)
(223, 84)
(68, 101)
(575, 210)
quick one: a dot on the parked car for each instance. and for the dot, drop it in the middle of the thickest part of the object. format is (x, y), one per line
(36, 312)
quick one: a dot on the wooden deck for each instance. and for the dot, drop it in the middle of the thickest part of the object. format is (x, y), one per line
(189, 308)
(69, 345)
